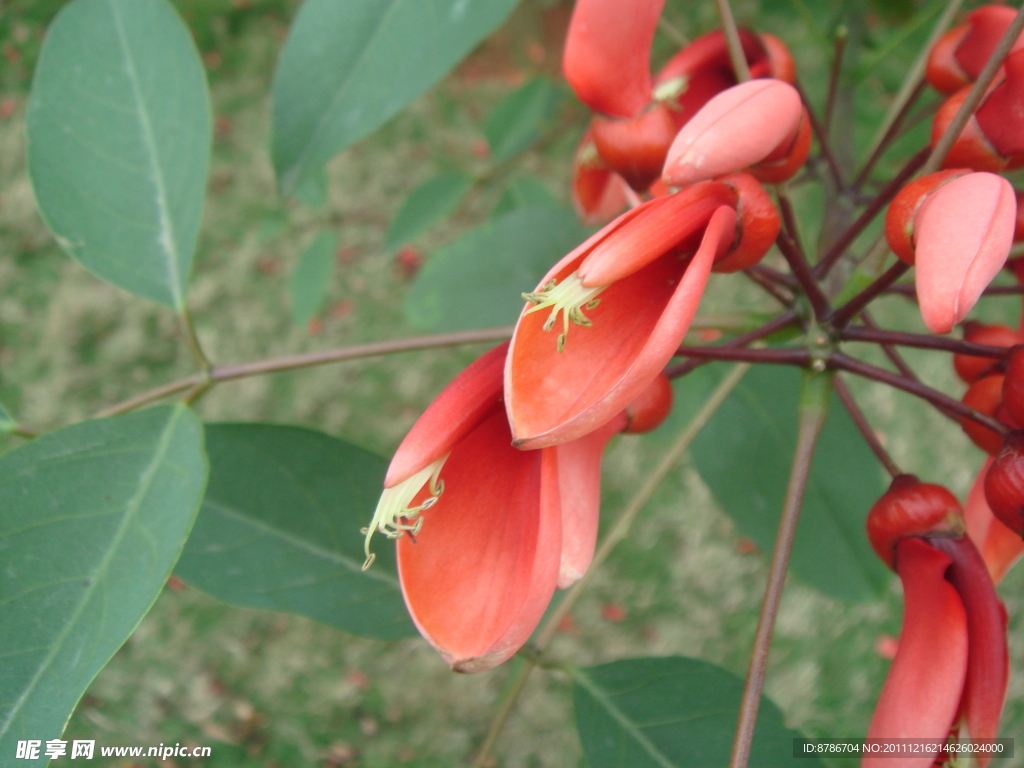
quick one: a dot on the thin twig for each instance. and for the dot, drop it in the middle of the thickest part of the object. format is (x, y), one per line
(769, 286)
(914, 76)
(821, 133)
(861, 422)
(794, 356)
(779, 322)
(813, 412)
(292, 362)
(614, 536)
(891, 134)
(921, 341)
(802, 272)
(976, 94)
(887, 193)
(890, 351)
(672, 32)
(954, 409)
(842, 35)
(850, 309)
(732, 39)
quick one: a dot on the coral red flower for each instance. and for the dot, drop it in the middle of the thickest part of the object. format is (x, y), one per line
(999, 547)
(719, 139)
(958, 57)
(952, 666)
(607, 54)
(598, 193)
(608, 317)
(486, 532)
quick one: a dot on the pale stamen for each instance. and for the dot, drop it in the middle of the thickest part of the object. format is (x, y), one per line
(570, 297)
(394, 517)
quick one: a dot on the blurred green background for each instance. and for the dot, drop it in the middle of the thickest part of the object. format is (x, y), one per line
(277, 690)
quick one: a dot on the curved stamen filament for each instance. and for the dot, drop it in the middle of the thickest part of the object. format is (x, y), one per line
(570, 297)
(394, 517)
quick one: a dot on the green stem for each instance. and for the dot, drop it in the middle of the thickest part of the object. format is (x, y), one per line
(814, 399)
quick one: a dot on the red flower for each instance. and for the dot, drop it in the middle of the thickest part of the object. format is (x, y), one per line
(952, 666)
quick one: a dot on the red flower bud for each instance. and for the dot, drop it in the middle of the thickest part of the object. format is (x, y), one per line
(1004, 483)
(598, 194)
(899, 219)
(944, 72)
(1001, 116)
(790, 159)
(970, 368)
(651, 407)
(972, 149)
(985, 395)
(911, 508)
(758, 222)
(635, 148)
(1013, 384)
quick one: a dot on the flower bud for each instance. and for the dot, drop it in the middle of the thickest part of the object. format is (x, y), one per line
(719, 138)
(970, 368)
(1001, 116)
(1004, 483)
(651, 407)
(912, 508)
(899, 219)
(1013, 384)
(635, 148)
(972, 149)
(984, 395)
(758, 222)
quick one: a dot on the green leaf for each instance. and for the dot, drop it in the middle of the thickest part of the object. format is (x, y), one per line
(430, 202)
(279, 529)
(478, 281)
(517, 120)
(524, 192)
(312, 190)
(119, 136)
(93, 519)
(744, 455)
(347, 67)
(311, 275)
(672, 712)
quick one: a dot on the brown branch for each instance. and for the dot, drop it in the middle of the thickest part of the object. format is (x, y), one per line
(850, 309)
(921, 341)
(861, 422)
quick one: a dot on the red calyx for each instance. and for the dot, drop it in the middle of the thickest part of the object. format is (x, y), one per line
(970, 368)
(985, 395)
(635, 148)
(944, 72)
(651, 407)
(758, 223)
(1001, 117)
(912, 508)
(899, 219)
(972, 149)
(987, 26)
(1013, 384)
(1004, 483)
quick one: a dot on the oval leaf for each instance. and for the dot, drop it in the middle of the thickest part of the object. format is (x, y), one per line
(349, 66)
(478, 281)
(311, 275)
(672, 712)
(119, 136)
(744, 455)
(93, 518)
(279, 529)
(517, 120)
(426, 205)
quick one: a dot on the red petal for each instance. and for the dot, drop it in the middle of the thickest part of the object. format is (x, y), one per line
(454, 412)
(553, 397)
(483, 568)
(719, 139)
(999, 546)
(579, 482)
(607, 54)
(988, 660)
(922, 691)
(963, 232)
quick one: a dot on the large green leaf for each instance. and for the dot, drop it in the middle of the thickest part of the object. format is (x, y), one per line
(744, 455)
(311, 275)
(672, 712)
(478, 280)
(279, 529)
(518, 119)
(7, 422)
(523, 192)
(93, 518)
(347, 67)
(430, 202)
(119, 135)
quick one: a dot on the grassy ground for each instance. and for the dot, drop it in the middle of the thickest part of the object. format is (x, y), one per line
(276, 690)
